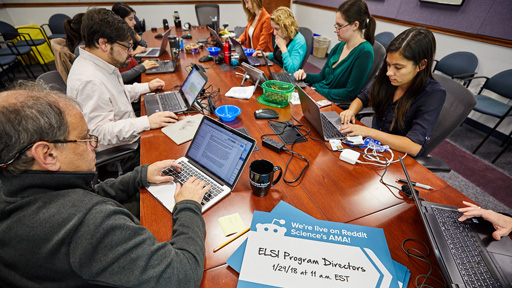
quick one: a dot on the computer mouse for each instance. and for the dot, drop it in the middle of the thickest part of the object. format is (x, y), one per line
(206, 58)
(266, 113)
(159, 35)
(188, 36)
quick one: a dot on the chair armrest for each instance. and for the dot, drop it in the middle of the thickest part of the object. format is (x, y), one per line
(343, 104)
(364, 113)
(115, 153)
(464, 76)
(433, 164)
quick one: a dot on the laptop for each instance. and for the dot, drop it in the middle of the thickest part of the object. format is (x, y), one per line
(156, 52)
(283, 76)
(165, 66)
(257, 76)
(216, 38)
(216, 155)
(254, 61)
(325, 123)
(473, 259)
(177, 101)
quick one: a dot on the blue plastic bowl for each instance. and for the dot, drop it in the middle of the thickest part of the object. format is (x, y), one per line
(248, 51)
(213, 50)
(228, 112)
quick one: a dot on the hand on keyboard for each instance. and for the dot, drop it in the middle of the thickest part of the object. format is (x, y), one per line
(194, 189)
(156, 172)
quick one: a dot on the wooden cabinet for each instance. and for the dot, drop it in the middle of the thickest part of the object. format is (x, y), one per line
(271, 5)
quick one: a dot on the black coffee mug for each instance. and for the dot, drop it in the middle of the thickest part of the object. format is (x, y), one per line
(261, 174)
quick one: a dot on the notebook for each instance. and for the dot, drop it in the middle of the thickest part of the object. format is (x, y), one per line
(283, 76)
(325, 123)
(216, 155)
(254, 61)
(166, 66)
(472, 259)
(177, 101)
(156, 52)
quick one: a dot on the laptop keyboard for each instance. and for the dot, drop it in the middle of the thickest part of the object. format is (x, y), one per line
(188, 171)
(255, 61)
(170, 101)
(284, 77)
(153, 52)
(165, 66)
(330, 131)
(465, 249)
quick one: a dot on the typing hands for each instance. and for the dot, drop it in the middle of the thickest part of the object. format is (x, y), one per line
(502, 223)
(299, 75)
(193, 189)
(162, 119)
(156, 84)
(155, 171)
(148, 64)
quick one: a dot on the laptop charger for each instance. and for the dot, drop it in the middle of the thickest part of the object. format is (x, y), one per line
(273, 145)
(349, 156)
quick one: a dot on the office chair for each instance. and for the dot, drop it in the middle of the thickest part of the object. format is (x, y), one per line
(500, 84)
(115, 155)
(56, 26)
(239, 30)
(308, 36)
(140, 25)
(458, 65)
(11, 34)
(206, 10)
(457, 106)
(379, 53)
(54, 80)
(385, 38)
(18, 52)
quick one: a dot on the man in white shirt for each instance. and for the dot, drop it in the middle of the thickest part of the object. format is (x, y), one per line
(96, 83)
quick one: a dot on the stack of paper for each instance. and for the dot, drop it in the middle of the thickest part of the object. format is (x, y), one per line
(289, 248)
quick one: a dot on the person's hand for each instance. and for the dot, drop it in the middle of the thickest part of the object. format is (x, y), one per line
(354, 130)
(193, 189)
(156, 84)
(155, 171)
(281, 43)
(299, 75)
(162, 119)
(148, 64)
(257, 53)
(502, 223)
(347, 117)
(139, 49)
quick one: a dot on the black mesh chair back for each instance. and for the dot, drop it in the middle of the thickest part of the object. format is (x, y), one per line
(206, 10)
(308, 36)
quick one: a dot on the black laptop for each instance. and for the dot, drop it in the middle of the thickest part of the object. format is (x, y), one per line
(466, 251)
(177, 101)
(164, 66)
(254, 61)
(326, 123)
(283, 76)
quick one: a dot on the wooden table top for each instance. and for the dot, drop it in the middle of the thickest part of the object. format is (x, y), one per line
(329, 190)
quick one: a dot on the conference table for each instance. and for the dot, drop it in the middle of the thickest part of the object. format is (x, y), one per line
(330, 189)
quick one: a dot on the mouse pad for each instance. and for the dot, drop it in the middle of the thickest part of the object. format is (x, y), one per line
(243, 130)
(287, 132)
(226, 67)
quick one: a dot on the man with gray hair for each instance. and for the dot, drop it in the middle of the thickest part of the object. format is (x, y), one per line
(57, 230)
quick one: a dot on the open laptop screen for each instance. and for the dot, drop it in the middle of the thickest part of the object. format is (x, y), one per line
(193, 85)
(221, 150)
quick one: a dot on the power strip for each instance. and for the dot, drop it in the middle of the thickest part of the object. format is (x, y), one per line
(349, 156)
(273, 145)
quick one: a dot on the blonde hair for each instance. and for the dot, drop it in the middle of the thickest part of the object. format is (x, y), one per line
(283, 17)
(255, 3)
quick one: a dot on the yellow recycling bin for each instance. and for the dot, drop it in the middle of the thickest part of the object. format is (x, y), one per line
(44, 48)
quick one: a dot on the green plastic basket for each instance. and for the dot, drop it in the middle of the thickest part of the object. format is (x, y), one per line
(276, 93)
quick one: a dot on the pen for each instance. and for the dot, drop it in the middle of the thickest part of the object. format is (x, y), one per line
(231, 240)
(416, 184)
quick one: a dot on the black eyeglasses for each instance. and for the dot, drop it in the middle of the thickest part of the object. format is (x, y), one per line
(92, 139)
(338, 27)
(129, 48)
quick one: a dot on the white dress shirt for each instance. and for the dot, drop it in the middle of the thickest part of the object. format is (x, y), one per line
(105, 101)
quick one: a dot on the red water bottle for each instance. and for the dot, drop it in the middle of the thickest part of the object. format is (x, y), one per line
(227, 52)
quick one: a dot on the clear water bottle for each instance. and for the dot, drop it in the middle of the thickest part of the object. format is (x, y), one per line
(177, 21)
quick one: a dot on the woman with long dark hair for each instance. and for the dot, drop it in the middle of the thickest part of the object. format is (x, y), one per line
(349, 62)
(405, 97)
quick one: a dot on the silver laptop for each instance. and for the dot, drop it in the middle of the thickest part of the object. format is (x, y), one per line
(325, 123)
(156, 52)
(254, 61)
(467, 253)
(165, 66)
(216, 155)
(177, 101)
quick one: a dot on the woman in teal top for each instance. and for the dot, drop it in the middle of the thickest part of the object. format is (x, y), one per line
(290, 47)
(349, 63)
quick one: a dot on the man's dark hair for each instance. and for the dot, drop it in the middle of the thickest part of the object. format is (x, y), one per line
(103, 23)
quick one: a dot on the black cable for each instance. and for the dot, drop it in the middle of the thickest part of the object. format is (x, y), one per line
(423, 257)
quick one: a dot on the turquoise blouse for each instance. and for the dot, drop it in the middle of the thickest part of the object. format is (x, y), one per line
(347, 79)
(292, 59)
